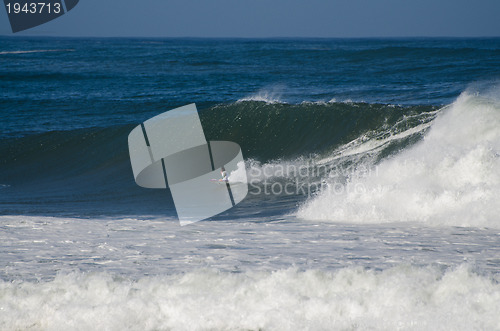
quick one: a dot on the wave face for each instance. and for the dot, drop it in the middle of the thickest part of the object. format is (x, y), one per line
(271, 131)
(351, 298)
(450, 177)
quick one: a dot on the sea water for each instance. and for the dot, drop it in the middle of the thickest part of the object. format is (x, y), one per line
(373, 169)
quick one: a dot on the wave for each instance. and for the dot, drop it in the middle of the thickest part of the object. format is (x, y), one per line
(90, 167)
(350, 298)
(450, 177)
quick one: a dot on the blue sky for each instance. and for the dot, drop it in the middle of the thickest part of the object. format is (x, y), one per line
(273, 18)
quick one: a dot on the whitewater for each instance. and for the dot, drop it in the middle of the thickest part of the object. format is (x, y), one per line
(451, 177)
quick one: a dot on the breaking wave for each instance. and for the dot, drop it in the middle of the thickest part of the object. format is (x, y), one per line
(88, 168)
(450, 177)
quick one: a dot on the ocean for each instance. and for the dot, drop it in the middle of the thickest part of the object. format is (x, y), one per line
(373, 175)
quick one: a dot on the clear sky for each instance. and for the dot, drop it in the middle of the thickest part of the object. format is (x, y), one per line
(273, 18)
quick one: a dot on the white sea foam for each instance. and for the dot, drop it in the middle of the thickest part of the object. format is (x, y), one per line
(403, 297)
(36, 248)
(452, 177)
(239, 175)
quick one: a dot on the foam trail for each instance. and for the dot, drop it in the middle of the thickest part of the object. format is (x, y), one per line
(37, 51)
(403, 297)
(451, 177)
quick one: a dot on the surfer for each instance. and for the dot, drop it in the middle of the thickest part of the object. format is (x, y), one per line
(223, 174)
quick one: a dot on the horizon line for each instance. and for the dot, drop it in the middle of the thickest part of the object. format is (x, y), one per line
(12, 35)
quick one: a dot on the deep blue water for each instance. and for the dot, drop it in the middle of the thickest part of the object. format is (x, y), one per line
(98, 82)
